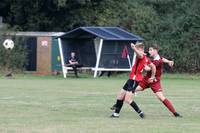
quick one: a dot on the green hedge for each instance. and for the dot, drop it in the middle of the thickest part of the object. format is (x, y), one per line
(14, 59)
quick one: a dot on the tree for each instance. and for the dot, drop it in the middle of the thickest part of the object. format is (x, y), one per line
(174, 24)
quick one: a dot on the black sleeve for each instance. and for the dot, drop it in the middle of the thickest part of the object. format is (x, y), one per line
(76, 58)
(68, 59)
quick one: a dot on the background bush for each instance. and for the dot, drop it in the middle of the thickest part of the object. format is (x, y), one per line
(173, 24)
(14, 59)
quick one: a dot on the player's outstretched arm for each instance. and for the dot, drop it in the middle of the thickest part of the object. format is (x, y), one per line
(169, 62)
(138, 53)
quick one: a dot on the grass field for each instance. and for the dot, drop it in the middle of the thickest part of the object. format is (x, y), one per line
(30, 104)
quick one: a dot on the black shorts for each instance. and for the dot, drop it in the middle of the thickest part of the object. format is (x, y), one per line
(130, 85)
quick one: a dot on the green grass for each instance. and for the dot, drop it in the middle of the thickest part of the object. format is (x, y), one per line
(32, 104)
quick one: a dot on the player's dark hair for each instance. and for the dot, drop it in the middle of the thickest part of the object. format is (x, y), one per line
(154, 46)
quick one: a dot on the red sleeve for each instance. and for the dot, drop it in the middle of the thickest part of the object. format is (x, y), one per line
(157, 62)
(147, 60)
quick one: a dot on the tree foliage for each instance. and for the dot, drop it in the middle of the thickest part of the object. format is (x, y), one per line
(173, 24)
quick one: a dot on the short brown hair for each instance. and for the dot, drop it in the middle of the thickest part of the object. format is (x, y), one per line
(154, 46)
(139, 45)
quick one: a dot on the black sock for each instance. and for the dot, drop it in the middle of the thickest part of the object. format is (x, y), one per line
(119, 105)
(135, 107)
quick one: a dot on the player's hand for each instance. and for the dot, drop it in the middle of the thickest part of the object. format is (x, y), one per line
(171, 63)
(132, 45)
(152, 79)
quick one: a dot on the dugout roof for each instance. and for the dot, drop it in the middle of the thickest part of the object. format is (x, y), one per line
(106, 33)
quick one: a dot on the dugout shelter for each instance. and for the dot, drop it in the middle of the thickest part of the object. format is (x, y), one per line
(98, 48)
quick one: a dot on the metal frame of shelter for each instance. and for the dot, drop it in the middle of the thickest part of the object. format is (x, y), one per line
(101, 34)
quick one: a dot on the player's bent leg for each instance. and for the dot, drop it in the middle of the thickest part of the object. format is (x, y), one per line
(160, 96)
(118, 106)
(120, 96)
(122, 92)
(138, 88)
(128, 97)
(167, 103)
(129, 100)
(119, 103)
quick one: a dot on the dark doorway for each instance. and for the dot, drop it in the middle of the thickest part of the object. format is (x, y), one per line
(31, 45)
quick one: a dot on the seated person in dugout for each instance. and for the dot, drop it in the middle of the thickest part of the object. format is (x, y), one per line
(73, 62)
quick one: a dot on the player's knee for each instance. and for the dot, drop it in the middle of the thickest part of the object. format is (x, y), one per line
(160, 96)
(128, 99)
(120, 97)
(138, 89)
(121, 94)
(160, 99)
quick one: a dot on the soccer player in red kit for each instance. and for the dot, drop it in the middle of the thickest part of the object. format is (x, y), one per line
(126, 93)
(156, 85)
